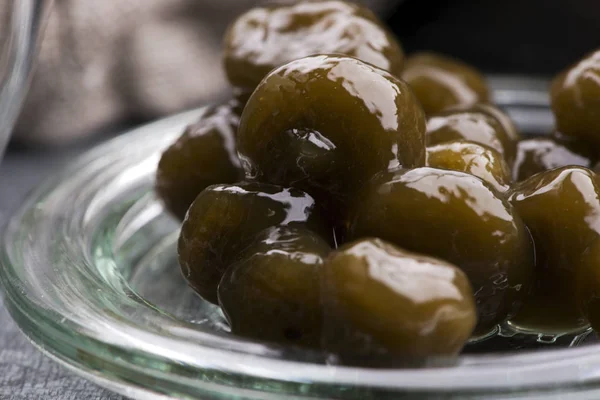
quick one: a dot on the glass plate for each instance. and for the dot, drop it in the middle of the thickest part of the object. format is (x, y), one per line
(91, 277)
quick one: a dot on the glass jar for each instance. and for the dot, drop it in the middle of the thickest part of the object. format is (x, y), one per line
(20, 29)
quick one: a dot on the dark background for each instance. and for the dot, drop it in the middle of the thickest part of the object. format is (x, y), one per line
(538, 37)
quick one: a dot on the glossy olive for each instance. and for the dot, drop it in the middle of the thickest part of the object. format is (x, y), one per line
(459, 218)
(561, 208)
(330, 123)
(204, 155)
(588, 284)
(441, 82)
(472, 158)
(272, 293)
(510, 134)
(482, 124)
(267, 37)
(575, 99)
(544, 153)
(225, 218)
(380, 299)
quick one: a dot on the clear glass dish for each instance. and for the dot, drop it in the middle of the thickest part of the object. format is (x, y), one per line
(91, 277)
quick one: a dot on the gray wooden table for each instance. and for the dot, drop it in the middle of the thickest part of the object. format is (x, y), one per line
(26, 374)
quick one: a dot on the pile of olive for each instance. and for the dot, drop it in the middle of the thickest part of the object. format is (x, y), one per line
(351, 200)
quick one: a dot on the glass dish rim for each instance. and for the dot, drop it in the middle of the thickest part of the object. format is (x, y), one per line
(578, 367)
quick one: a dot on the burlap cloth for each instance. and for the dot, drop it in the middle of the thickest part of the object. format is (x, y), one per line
(102, 62)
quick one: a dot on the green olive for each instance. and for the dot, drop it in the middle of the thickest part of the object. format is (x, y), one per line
(575, 99)
(588, 284)
(459, 218)
(225, 218)
(561, 208)
(510, 134)
(378, 298)
(482, 124)
(204, 155)
(544, 153)
(272, 293)
(472, 158)
(267, 37)
(441, 82)
(329, 123)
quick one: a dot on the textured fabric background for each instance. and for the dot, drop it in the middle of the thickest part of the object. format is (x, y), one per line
(104, 62)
